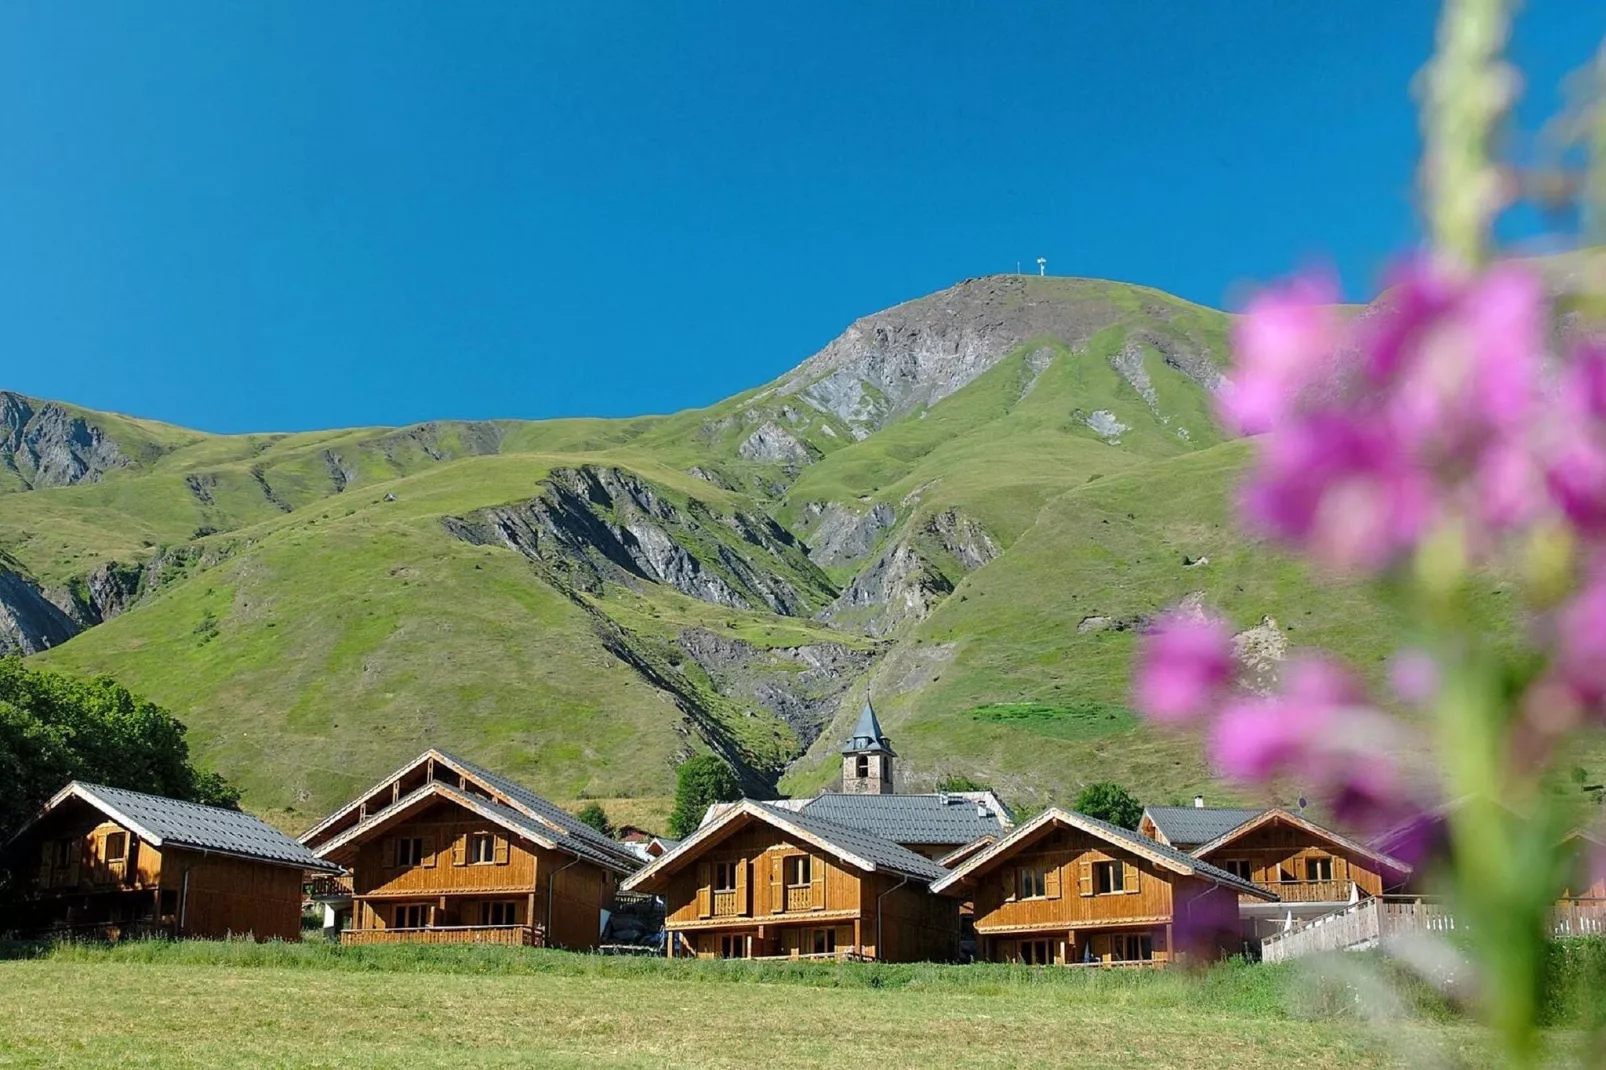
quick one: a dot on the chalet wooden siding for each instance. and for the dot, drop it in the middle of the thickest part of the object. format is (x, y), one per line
(87, 872)
(1298, 867)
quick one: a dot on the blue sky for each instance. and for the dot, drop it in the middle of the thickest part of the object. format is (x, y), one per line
(292, 215)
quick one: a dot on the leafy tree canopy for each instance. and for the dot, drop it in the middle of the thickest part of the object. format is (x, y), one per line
(960, 782)
(1110, 802)
(55, 728)
(700, 781)
(594, 815)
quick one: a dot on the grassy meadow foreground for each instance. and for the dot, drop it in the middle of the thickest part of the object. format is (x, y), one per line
(192, 1005)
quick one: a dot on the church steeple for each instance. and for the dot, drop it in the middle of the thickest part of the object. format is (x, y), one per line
(867, 758)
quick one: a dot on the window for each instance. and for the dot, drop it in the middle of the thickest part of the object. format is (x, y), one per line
(63, 853)
(481, 848)
(1036, 953)
(409, 850)
(1108, 878)
(824, 941)
(1033, 883)
(863, 766)
(169, 904)
(498, 914)
(1241, 868)
(117, 847)
(1131, 947)
(725, 876)
(733, 946)
(1318, 869)
(799, 871)
(412, 917)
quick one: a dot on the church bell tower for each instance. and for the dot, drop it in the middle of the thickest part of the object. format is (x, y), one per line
(867, 759)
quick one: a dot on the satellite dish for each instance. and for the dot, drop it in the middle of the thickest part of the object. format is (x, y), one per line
(1302, 804)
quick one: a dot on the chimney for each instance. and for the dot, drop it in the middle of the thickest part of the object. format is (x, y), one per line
(1198, 802)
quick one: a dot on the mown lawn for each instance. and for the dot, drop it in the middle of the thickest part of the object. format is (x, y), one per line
(199, 1007)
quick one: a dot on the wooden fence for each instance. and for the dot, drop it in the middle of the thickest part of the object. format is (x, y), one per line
(1374, 922)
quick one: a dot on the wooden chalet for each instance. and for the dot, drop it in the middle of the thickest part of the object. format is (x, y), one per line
(1067, 889)
(112, 863)
(762, 881)
(1313, 869)
(445, 851)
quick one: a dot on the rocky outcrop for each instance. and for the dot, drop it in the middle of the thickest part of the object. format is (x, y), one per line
(341, 474)
(961, 538)
(843, 536)
(911, 576)
(591, 525)
(49, 447)
(920, 352)
(29, 622)
(772, 443)
(802, 685)
(1260, 652)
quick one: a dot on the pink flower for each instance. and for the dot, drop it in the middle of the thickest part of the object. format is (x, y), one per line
(1414, 677)
(1341, 488)
(1283, 344)
(1257, 739)
(1184, 665)
(1580, 653)
(1575, 475)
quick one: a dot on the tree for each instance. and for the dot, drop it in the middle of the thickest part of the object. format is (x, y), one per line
(700, 781)
(594, 815)
(1110, 802)
(55, 728)
(959, 782)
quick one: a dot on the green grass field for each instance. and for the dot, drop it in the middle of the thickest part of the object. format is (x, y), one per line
(205, 1005)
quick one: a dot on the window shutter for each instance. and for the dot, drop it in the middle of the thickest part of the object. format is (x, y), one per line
(75, 855)
(387, 848)
(47, 857)
(777, 884)
(1087, 877)
(460, 850)
(705, 889)
(131, 863)
(741, 887)
(1006, 877)
(1129, 877)
(817, 882)
(1051, 882)
(501, 850)
(428, 861)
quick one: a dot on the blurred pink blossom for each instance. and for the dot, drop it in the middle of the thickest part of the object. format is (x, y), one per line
(1580, 643)
(1282, 345)
(1414, 677)
(1184, 665)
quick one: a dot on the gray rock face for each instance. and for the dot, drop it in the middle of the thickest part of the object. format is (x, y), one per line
(922, 351)
(904, 584)
(29, 622)
(1260, 652)
(1106, 426)
(844, 536)
(592, 525)
(964, 539)
(49, 447)
(340, 472)
(772, 443)
(802, 685)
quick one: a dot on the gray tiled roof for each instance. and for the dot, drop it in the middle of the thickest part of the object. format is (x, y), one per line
(208, 828)
(1189, 826)
(1138, 840)
(549, 811)
(884, 853)
(924, 819)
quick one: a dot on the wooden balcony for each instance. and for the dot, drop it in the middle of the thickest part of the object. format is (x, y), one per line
(1305, 891)
(727, 904)
(327, 888)
(800, 898)
(505, 935)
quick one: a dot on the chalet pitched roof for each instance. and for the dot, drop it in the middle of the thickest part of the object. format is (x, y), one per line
(867, 735)
(959, 854)
(514, 821)
(952, 817)
(160, 821)
(521, 799)
(1311, 827)
(864, 850)
(1189, 826)
(1162, 855)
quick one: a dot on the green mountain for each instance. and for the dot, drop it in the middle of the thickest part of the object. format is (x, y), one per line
(961, 507)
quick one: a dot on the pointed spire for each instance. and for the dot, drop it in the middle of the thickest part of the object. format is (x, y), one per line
(867, 734)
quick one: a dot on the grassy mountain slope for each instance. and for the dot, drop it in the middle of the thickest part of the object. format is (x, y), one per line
(961, 508)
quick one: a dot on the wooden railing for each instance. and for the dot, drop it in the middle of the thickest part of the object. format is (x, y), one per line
(509, 935)
(327, 888)
(799, 898)
(841, 954)
(1375, 921)
(1305, 891)
(726, 905)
